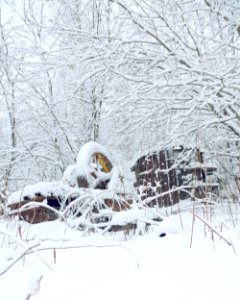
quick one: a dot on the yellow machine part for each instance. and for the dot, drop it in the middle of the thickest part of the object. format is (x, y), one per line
(104, 162)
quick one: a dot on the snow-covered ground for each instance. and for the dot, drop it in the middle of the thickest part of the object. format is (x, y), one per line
(189, 262)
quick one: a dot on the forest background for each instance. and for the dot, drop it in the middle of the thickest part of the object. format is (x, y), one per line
(135, 76)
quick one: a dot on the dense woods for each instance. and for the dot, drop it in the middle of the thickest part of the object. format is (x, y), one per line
(132, 75)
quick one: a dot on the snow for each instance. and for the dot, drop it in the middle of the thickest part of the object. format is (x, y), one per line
(134, 215)
(121, 266)
(43, 188)
(70, 176)
(85, 154)
(84, 162)
(69, 183)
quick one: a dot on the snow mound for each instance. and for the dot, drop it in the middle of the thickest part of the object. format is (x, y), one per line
(85, 154)
(41, 188)
(84, 168)
(70, 176)
(134, 215)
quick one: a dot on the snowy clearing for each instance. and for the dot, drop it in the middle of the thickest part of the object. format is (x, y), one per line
(65, 264)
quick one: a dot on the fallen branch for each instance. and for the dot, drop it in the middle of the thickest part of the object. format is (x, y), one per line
(22, 244)
(17, 258)
(67, 246)
(210, 226)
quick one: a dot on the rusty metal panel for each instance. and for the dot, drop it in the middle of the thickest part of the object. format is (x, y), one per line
(159, 173)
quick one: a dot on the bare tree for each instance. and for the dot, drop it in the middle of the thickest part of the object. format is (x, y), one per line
(132, 75)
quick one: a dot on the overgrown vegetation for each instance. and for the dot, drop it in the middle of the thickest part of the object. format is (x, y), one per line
(133, 76)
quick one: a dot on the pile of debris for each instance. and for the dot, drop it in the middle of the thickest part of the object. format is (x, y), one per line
(86, 194)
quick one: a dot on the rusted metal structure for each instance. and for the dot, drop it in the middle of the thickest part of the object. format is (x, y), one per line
(36, 214)
(52, 204)
(97, 170)
(165, 177)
